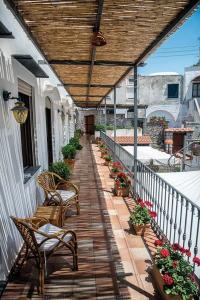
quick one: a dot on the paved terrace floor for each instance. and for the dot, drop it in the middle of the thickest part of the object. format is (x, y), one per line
(112, 260)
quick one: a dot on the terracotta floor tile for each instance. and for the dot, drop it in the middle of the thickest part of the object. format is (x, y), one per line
(111, 260)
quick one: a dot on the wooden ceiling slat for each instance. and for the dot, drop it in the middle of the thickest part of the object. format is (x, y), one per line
(64, 30)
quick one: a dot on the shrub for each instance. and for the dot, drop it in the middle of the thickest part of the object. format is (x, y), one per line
(122, 180)
(69, 151)
(61, 169)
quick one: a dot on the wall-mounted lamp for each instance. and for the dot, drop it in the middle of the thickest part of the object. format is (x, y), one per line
(20, 112)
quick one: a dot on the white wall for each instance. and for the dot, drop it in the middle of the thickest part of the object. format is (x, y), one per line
(17, 198)
(190, 74)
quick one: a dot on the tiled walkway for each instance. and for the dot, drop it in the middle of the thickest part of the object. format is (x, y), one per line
(112, 260)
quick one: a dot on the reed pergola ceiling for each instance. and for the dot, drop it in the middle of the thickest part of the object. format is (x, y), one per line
(64, 30)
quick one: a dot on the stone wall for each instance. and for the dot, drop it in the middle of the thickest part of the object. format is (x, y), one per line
(156, 133)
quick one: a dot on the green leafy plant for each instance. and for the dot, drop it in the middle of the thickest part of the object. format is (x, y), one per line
(108, 158)
(142, 213)
(61, 169)
(177, 273)
(69, 151)
(75, 142)
(100, 127)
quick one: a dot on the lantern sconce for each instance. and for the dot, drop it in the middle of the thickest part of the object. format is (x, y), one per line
(20, 112)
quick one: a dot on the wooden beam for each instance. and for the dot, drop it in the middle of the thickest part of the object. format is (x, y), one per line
(86, 85)
(88, 62)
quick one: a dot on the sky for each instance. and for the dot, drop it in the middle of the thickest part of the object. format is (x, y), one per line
(180, 50)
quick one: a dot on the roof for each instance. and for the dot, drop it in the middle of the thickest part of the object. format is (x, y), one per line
(197, 79)
(129, 140)
(179, 130)
(63, 31)
(163, 74)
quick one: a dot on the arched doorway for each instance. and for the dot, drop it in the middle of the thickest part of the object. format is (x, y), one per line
(49, 130)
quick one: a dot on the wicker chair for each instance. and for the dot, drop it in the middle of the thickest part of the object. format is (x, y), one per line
(43, 241)
(63, 193)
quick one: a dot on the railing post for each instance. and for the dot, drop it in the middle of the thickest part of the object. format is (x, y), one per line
(135, 128)
(115, 123)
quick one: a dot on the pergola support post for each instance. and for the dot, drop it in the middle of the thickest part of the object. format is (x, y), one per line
(135, 127)
(115, 123)
(105, 121)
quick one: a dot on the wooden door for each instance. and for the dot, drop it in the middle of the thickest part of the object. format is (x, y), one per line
(89, 124)
(178, 141)
(49, 136)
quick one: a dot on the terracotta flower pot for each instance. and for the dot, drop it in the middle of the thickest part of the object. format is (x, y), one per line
(121, 191)
(140, 229)
(159, 284)
(106, 163)
(70, 162)
(103, 153)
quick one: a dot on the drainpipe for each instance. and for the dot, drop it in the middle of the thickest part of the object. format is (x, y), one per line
(115, 123)
(135, 127)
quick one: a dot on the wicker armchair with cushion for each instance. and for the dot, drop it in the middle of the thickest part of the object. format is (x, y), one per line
(43, 241)
(59, 191)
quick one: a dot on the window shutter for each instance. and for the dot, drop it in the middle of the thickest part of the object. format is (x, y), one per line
(24, 88)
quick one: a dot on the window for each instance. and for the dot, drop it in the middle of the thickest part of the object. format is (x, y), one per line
(130, 80)
(25, 94)
(129, 93)
(173, 90)
(196, 89)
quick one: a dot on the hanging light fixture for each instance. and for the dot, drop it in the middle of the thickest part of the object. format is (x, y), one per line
(98, 39)
(20, 112)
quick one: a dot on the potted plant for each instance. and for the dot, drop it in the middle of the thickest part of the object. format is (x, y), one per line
(173, 273)
(75, 142)
(69, 152)
(116, 169)
(61, 169)
(108, 159)
(122, 185)
(141, 216)
(103, 150)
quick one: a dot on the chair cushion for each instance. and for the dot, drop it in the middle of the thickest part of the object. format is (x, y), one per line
(66, 195)
(50, 244)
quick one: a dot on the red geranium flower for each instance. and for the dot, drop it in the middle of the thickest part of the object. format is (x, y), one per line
(187, 252)
(142, 204)
(148, 203)
(158, 243)
(175, 247)
(196, 260)
(168, 280)
(153, 214)
(165, 252)
(139, 200)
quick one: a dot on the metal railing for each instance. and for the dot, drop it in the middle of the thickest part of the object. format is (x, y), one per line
(178, 218)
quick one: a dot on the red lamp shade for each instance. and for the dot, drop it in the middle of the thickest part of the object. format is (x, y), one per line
(98, 39)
